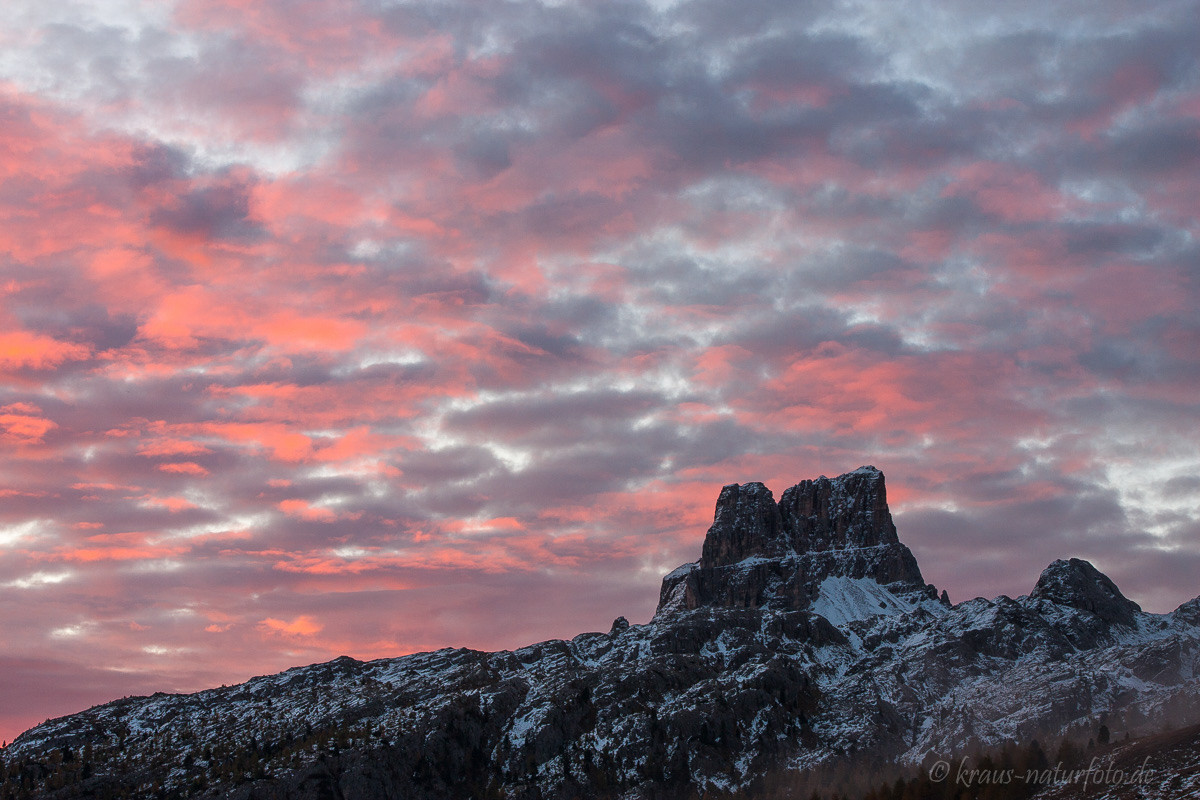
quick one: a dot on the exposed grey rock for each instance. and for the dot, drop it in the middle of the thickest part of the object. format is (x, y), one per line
(762, 554)
(1076, 583)
(746, 523)
(848, 511)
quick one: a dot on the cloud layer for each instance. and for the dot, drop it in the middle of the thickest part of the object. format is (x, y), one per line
(368, 327)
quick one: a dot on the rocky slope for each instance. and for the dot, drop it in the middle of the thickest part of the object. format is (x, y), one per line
(1157, 767)
(804, 641)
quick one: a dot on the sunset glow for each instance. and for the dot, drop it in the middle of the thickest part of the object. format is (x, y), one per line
(358, 327)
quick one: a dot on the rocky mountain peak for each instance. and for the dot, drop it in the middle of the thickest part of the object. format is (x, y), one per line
(825, 513)
(847, 511)
(1078, 584)
(746, 523)
(759, 553)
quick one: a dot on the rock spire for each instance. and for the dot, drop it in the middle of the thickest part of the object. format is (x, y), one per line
(762, 553)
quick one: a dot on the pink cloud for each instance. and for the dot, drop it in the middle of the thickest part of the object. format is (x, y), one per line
(24, 349)
(301, 509)
(182, 468)
(172, 447)
(302, 625)
(23, 423)
(1014, 195)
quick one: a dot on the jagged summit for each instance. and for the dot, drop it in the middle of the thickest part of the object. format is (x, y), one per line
(746, 523)
(1076, 583)
(847, 511)
(828, 541)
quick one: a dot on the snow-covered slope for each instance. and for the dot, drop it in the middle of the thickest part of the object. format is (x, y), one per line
(802, 659)
(842, 600)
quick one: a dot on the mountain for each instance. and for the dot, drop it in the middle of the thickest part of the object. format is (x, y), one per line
(802, 645)
(1163, 766)
(825, 544)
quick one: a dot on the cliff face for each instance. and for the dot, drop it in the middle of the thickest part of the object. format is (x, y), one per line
(759, 553)
(846, 512)
(803, 639)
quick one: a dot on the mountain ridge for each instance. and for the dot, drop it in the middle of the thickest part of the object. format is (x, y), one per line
(762, 663)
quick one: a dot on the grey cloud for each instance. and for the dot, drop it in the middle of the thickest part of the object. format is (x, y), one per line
(451, 465)
(881, 127)
(232, 74)
(713, 442)
(155, 163)
(1182, 486)
(1167, 146)
(483, 154)
(563, 215)
(842, 267)
(982, 550)
(682, 280)
(1102, 239)
(100, 58)
(1145, 354)
(718, 20)
(217, 211)
(90, 324)
(578, 416)
(593, 318)
(786, 61)
(174, 399)
(782, 337)
(573, 475)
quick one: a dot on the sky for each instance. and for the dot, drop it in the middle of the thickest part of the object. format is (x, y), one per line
(366, 327)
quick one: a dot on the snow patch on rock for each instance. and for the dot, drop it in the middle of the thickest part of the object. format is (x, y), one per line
(843, 600)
